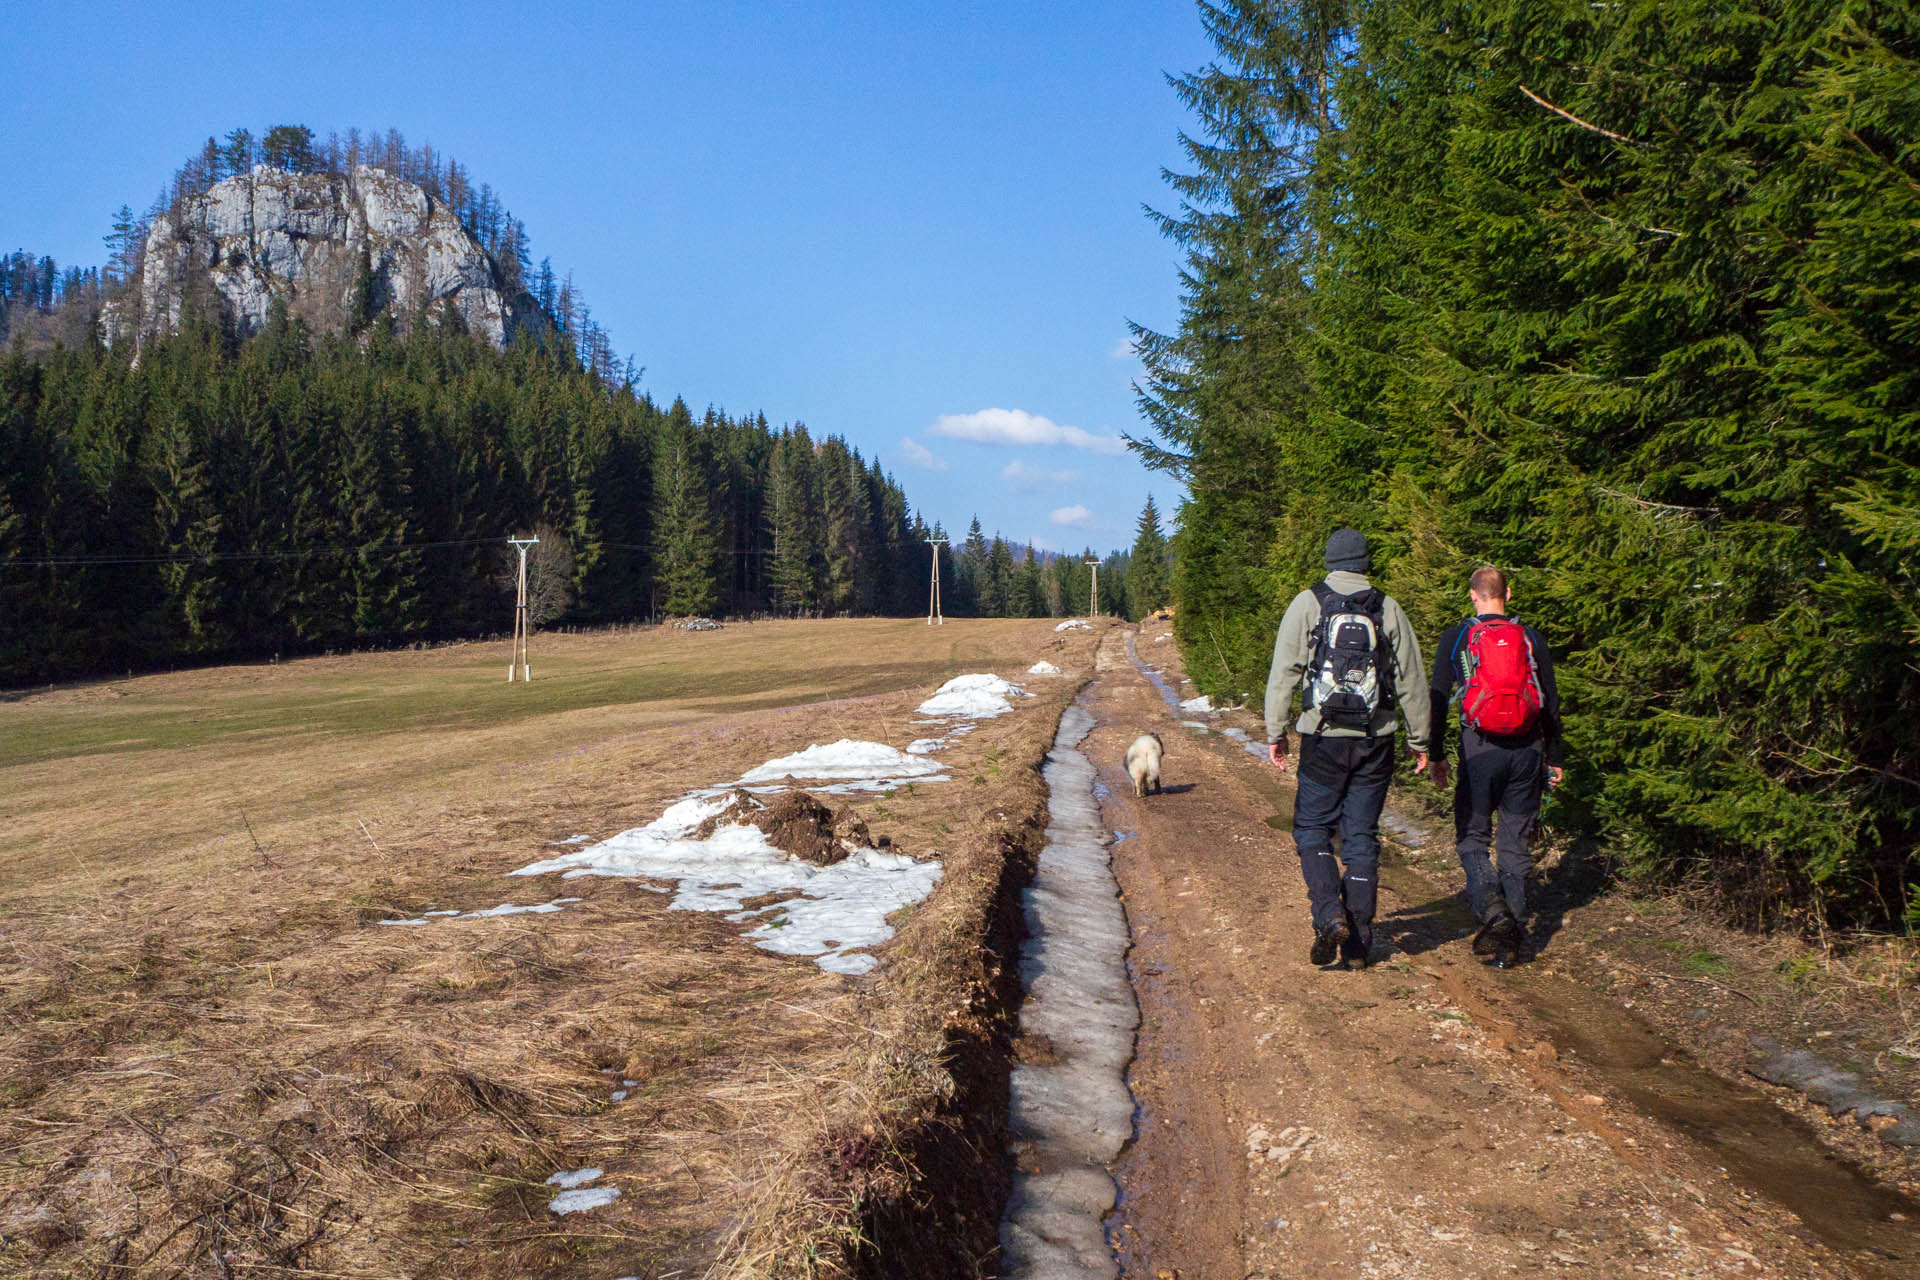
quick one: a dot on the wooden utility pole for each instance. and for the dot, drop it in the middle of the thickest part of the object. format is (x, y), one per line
(934, 616)
(520, 616)
(1093, 593)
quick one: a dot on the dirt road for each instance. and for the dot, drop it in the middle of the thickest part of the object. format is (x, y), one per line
(1428, 1116)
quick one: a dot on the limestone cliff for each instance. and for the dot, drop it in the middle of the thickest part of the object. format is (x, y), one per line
(332, 247)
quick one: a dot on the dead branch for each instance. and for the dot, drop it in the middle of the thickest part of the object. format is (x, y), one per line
(1568, 115)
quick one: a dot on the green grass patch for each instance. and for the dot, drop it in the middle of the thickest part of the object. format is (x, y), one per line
(1706, 964)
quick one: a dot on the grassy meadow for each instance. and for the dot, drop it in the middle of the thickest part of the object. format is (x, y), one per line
(214, 1061)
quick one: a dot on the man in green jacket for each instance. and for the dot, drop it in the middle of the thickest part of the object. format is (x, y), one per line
(1348, 647)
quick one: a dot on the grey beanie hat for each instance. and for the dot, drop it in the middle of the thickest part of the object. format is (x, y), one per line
(1347, 550)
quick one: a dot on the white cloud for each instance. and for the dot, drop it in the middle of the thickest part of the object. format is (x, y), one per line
(1074, 517)
(1017, 426)
(918, 455)
(1123, 349)
(1025, 479)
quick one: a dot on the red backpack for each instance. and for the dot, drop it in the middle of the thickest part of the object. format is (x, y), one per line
(1500, 693)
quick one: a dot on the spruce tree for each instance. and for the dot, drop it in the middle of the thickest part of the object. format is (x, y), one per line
(683, 525)
(793, 514)
(1148, 585)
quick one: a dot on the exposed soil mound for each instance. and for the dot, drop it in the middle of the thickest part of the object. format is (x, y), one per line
(800, 825)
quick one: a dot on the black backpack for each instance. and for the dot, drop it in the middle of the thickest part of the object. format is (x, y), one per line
(1349, 672)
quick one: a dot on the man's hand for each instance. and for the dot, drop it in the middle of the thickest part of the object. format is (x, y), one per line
(1277, 755)
(1440, 774)
(1554, 774)
(1420, 762)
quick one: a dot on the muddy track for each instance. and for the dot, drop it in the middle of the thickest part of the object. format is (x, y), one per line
(1425, 1117)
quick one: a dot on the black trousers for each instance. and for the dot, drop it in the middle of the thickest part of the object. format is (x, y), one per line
(1342, 788)
(1503, 780)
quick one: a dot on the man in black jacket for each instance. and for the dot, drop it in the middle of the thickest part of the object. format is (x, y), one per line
(1499, 774)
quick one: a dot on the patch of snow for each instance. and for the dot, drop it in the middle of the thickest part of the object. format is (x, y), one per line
(509, 909)
(845, 908)
(587, 1198)
(973, 697)
(839, 910)
(1043, 668)
(683, 816)
(629, 1083)
(504, 909)
(619, 1095)
(572, 840)
(1202, 703)
(925, 746)
(1075, 624)
(1162, 639)
(845, 760)
(1201, 725)
(575, 1177)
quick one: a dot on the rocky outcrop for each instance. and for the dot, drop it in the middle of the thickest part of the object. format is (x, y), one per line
(333, 248)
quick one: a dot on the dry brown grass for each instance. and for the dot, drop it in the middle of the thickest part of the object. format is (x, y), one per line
(214, 1063)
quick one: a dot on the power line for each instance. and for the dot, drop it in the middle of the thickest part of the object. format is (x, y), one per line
(209, 557)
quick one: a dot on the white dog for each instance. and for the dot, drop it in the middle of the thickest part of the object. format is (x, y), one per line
(1143, 763)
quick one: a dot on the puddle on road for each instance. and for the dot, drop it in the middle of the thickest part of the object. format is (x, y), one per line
(1762, 1148)
(1158, 681)
(1771, 1151)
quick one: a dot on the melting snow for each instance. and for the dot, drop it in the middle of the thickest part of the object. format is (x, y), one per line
(976, 697)
(575, 1177)
(925, 746)
(1201, 703)
(1043, 668)
(619, 1095)
(1075, 624)
(588, 1198)
(504, 909)
(839, 909)
(847, 760)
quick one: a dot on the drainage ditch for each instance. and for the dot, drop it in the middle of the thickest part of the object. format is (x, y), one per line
(1070, 1112)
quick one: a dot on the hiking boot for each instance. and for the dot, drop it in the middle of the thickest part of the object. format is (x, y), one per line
(1510, 942)
(1328, 942)
(1487, 942)
(1354, 955)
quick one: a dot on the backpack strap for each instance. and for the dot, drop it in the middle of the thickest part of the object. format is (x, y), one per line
(1460, 639)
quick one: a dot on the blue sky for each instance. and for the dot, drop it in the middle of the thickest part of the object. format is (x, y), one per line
(917, 226)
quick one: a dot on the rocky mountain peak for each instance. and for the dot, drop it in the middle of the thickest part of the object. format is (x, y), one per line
(334, 248)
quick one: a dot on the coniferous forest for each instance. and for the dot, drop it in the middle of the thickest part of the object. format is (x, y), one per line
(1625, 299)
(295, 492)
